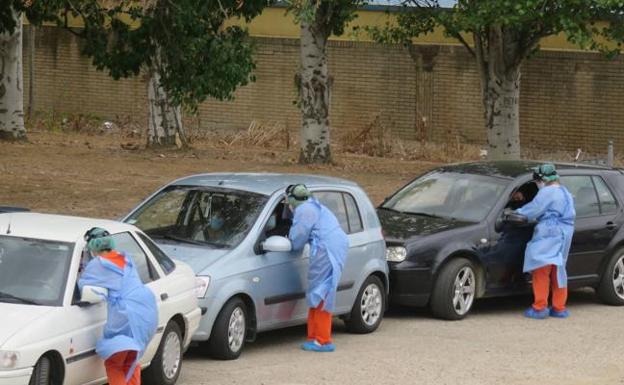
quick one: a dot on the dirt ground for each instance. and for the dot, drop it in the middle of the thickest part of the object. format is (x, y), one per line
(91, 175)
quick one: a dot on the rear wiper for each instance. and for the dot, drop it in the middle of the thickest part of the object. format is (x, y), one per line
(4, 295)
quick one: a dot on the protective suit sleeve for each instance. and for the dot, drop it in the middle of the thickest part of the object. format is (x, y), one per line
(537, 207)
(304, 219)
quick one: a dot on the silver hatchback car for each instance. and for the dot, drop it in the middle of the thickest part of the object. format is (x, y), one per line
(232, 229)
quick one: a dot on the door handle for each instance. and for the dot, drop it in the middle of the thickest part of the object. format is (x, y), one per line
(611, 226)
(164, 296)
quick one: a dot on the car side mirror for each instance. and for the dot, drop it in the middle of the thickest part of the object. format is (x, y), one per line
(93, 294)
(277, 244)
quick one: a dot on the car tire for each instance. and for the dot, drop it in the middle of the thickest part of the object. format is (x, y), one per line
(42, 373)
(229, 331)
(369, 307)
(611, 287)
(454, 290)
(167, 363)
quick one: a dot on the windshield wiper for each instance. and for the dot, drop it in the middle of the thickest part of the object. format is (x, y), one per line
(422, 214)
(191, 241)
(4, 295)
(389, 209)
(179, 239)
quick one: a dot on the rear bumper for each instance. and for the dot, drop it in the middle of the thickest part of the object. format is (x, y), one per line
(192, 320)
(410, 286)
(15, 377)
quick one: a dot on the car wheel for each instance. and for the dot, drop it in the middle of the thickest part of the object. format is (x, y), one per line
(229, 331)
(611, 288)
(167, 363)
(454, 290)
(369, 307)
(42, 372)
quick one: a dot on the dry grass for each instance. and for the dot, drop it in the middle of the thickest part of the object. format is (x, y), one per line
(374, 140)
(268, 135)
(377, 140)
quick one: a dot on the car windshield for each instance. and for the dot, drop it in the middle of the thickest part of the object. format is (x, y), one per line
(33, 271)
(219, 218)
(463, 197)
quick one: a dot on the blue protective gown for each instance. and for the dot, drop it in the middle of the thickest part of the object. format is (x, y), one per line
(553, 207)
(132, 317)
(329, 245)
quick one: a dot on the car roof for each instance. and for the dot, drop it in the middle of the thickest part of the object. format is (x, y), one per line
(511, 169)
(262, 183)
(55, 227)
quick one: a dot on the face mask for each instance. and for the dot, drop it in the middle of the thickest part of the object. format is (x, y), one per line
(272, 222)
(216, 223)
(540, 185)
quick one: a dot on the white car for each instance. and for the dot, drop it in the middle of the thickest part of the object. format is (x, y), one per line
(48, 332)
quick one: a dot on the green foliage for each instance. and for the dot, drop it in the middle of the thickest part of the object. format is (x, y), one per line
(523, 23)
(186, 40)
(329, 16)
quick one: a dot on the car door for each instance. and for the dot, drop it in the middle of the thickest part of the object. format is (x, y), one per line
(344, 207)
(597, 221)
(280, 278)
(127, 243)
(83, 365)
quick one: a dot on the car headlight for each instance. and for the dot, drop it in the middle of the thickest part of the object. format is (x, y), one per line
(201, 286)
(396, 254)
(8, 359)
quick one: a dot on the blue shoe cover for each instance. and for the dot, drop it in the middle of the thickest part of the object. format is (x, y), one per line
(536, 314)
(559, 314)
(313, 346)
(309, 345)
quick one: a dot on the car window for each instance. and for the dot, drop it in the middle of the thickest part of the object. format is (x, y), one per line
(125, 243)
(33, 270)
(161, 212)
(355, 220)
(215, 217)
(334, 201)
(584, 193)
(457, 196)
(608, 204)
(163, 260)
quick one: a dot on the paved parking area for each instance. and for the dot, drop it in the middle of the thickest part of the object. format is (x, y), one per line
(494, 345)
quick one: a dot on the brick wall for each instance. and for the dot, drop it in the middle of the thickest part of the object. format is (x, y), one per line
(569, 99)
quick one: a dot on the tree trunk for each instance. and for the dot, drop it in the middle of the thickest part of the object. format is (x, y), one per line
(502, 118)
(498, 61)
(165, 119)
(314, 95)
(11, 90)
(31, 71)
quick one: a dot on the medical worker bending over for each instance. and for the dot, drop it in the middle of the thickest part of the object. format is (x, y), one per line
(132, 316)
(547, 253)
(329, 245)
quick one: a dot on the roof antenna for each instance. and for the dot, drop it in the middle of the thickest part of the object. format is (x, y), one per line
(578, 155)
(9, 226)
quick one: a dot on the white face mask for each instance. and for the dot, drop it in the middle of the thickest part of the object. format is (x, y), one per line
(540, 185)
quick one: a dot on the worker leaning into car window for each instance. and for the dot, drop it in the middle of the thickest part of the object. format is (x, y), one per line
(329, 245)
(547, 252)
(132, 317)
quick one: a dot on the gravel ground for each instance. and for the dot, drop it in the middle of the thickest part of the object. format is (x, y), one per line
(494, 345)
